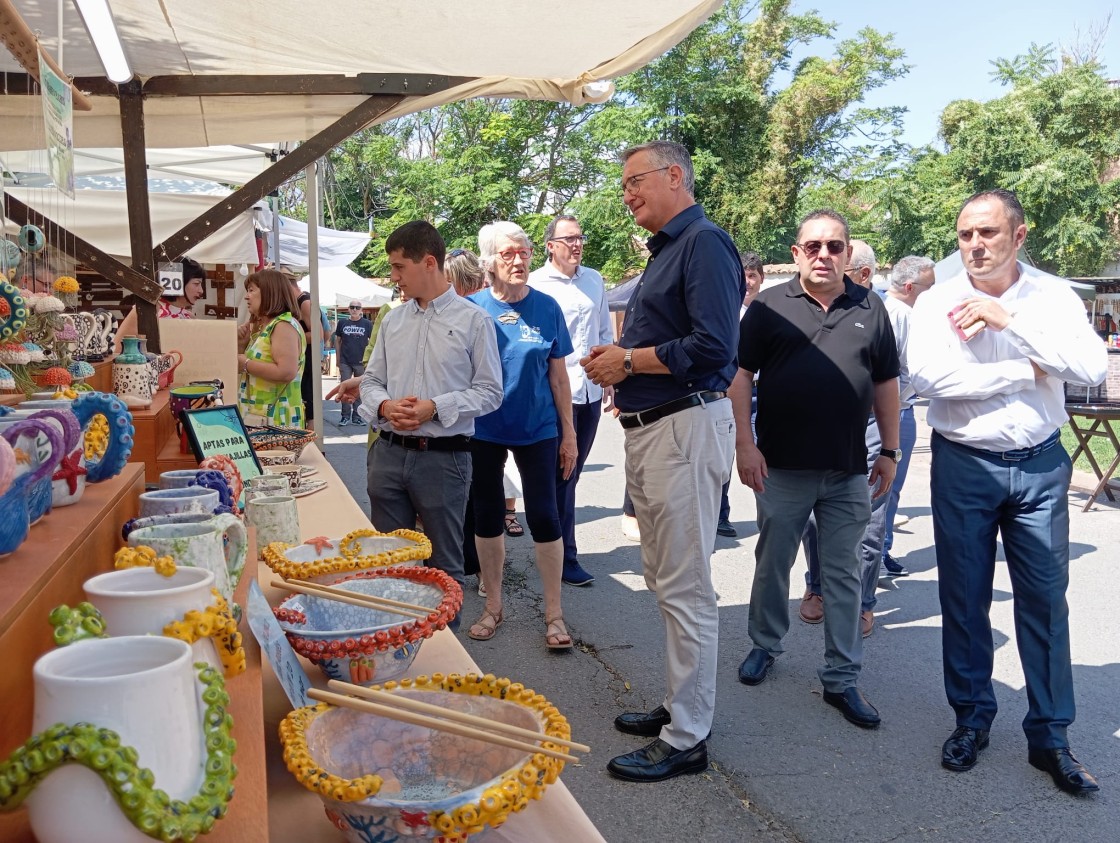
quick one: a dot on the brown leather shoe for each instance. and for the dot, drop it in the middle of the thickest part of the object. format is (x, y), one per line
(812, 608)
(866, 622)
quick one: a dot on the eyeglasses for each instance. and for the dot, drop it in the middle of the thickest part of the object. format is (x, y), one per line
(509, 255)
(634, 183)
(355, 307)
(571, 239)
(835, 247)
(455, 253)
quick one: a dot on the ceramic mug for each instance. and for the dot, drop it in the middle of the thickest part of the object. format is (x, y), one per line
(179, 478)
(275, 518)
(201, 545)
(144, 688)
(293, 474)
(39, 449)
(157, 520)
(68, 482)
(141, 601)
(167, 501)
(266, 485)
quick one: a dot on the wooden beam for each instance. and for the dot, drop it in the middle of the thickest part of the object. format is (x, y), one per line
(21, 42)
(84, 252)
(306, 153)
(139, 209)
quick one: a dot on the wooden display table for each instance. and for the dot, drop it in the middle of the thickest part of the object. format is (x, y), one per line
(1090, 421)
(65, 549)
(295, 813)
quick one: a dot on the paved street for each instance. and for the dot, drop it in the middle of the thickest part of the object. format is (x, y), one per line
(785, 766)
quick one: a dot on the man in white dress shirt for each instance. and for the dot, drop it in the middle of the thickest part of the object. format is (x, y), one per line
(990, 348)
(581, 295)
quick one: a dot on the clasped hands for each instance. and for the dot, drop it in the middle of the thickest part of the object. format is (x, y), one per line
(402, 413)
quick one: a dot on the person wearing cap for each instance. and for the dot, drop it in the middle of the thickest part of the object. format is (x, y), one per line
(351, 337)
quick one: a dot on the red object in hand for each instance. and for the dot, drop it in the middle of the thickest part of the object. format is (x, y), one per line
(968, 332)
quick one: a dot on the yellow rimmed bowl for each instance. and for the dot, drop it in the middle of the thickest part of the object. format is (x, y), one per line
(326, 561)
(382, 779)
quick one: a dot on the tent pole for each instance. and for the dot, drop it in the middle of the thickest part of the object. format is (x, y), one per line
(312, 181)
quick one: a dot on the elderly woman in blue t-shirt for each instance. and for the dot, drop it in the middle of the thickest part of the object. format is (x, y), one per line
(534, 423)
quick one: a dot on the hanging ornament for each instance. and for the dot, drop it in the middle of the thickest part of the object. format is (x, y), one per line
(31, 239)
(66, 288)
(9, 257)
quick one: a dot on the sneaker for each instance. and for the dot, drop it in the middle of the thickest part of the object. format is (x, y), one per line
(342, 422)
(575, 575)
(357, 421)
(866, 623)
(724, 528)
(893, 567)
(630, 528)
(812, 608)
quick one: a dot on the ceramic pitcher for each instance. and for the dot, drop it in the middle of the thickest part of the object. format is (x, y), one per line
(201, 546)
(166, 364)
(143, 688)
(68, 482)
(142, 601)
(38, 447)
(132, 379)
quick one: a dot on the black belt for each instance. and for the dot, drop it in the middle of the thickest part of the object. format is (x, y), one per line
(428, 443)
(630, 420)
(1018, 454)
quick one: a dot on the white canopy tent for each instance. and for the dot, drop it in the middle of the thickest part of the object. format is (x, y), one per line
(336, 248)
(340, 285)
(227, 165)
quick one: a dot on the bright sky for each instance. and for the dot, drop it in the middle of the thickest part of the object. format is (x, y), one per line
(949, 45)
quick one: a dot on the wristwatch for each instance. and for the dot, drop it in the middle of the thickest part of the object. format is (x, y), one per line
(893, 453)
(628, 362)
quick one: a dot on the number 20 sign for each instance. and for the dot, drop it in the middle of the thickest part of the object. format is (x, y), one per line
(171, 278)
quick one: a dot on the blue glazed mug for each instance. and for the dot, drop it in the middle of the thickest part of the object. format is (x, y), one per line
(14, 520)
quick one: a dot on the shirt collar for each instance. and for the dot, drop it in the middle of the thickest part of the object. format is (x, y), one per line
(438, 303)
(555, 273)
(674, 227)
(851, 289)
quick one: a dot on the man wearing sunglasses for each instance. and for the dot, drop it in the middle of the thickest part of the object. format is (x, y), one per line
(580, 292)
(826, 357)
(351, 337)
(671, 369)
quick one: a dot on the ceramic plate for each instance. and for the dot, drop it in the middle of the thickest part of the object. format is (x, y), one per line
(309, 487)
(308, 470)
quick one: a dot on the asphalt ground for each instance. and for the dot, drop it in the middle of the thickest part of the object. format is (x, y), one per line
(786, 766)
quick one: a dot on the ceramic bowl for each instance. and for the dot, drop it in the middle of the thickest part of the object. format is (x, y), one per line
(432, 785)
(276, 457)
(367, 645)
(326, 560)
(294, 473)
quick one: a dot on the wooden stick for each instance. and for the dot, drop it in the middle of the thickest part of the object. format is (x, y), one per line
(402, 701)
(432, 723)
(375, 598)
(343, 597)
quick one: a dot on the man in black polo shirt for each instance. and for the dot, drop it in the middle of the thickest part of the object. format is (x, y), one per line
(673, 363)
(825, 354)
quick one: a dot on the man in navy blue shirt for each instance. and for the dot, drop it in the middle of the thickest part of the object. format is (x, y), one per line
(671, 369)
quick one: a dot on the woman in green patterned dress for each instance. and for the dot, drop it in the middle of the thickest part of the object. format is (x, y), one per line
(271, 359)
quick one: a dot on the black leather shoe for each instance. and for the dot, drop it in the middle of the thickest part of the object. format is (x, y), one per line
(1067, 772)
(854, 706)
(659, 761)
(755, 666)
(646, 725)
(962, 750)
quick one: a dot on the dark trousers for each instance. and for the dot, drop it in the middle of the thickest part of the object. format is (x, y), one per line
(538, 464)
(585, 418)
(974, 497)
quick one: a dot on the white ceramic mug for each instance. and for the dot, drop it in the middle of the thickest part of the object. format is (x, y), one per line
(168, 501)
(141, 601)
(276, 519)
(143, 688)
(293, 473)
(201, 546)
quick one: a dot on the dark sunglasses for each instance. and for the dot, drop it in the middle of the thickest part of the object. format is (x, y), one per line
(835, 247)
(355, 307)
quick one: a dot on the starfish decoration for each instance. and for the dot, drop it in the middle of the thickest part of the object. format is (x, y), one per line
(320, 542)
(70, 470)
(22, 457)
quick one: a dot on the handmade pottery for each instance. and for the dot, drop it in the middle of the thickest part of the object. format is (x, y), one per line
(132, 380)
(266, 485)
(142, 688)
(178, 479)
(325, 560)
(218, 545)
(193, 396)
(276, 457)
(68, 482)
(39, 449)
(368, 645)
(292, 473)
(189, 499)
(166, 364)
(275, 518)
(428, 785)
(141, 601)
(14, 520)
(107, 434)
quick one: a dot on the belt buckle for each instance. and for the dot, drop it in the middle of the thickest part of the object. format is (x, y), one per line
(1017, 455)
(421, 443)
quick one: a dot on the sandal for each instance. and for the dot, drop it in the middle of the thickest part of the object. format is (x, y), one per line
(485, 627)
(513, 526)
(556, 635)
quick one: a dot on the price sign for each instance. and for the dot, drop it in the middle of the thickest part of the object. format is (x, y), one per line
(275, 646)
(171, 278)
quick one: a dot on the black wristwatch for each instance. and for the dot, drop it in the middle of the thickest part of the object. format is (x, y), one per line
(893, 453)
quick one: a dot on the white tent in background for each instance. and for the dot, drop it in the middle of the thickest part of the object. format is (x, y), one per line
(339, 285)
(336, 248)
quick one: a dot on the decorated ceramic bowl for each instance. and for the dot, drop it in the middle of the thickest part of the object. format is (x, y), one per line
(385, 780)
(276, 456)
(324, 560)
(366, 645)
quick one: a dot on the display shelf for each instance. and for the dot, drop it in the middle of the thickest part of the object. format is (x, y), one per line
(154, 427)
(65, 549)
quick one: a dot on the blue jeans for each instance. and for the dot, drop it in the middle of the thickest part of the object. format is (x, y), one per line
(975, 496)
(585, 418)
(907, 436)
